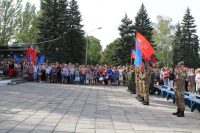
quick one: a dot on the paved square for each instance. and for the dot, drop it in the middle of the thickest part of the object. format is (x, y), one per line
(56, 108)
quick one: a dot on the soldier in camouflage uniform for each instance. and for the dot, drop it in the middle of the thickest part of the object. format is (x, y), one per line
(181, 75)
(146, 82)
(131, 80)
(141, 87)
(152, 82)
(137, 82)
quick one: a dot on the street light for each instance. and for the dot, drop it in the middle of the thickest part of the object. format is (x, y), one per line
(86, 46)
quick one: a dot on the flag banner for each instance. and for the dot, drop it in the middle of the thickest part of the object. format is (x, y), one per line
(36, 59)
(132, 54)
(145, 47)
(16, 58)
(41, 60)
(138, 55)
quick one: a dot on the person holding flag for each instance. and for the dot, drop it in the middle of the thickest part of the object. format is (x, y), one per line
(144, 52)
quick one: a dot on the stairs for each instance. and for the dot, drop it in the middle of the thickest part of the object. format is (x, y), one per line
(10, 81)
(17, 81)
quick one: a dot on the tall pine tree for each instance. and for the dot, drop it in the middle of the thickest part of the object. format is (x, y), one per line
(53, 25)
(127, 34)
(143, 24)
(189, 43)
(177, 45)
(76, 38)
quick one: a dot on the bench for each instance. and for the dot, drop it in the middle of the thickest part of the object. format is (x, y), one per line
(191, 100)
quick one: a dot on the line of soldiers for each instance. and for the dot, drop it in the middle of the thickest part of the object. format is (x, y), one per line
(141, 83)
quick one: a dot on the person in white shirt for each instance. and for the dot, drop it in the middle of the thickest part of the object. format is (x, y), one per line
(65, 73)
(35, 72)
(71, 73)
(120, 75)
(48, 70)
(197, 80)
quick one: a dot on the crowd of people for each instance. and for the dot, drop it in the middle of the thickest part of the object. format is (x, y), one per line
(167, 77)
(66, 73)
(98, 74)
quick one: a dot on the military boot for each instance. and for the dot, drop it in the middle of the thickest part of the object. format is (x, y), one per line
(181, 114)
(141, 99)
(146, 103)
(176, 113)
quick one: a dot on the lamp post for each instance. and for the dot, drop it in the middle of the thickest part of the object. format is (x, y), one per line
(87, 42)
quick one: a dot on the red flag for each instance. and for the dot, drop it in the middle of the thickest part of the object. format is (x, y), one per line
(28, 52)
(34, 55)
(145, 47)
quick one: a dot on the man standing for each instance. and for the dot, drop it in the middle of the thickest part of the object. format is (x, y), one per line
(137, 82)
(146, 82)
(180, 89)
(131, 80)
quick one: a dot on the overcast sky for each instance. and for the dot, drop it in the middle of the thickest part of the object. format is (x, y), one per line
(108, 14)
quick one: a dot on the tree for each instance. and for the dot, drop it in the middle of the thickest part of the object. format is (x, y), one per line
(110, 55)
(177, 45)
(94, 50)
(76, 37)
(189, 43)
(127, 34)
(27, 30)
(10, 10)
(53, 25)
(143, 24)
(163, 37)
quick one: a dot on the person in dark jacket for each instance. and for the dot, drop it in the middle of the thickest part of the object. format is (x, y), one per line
(171, 78)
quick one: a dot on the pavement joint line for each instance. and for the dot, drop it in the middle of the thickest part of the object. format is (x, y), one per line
(51, 112)
(31, 114)
(68, 109)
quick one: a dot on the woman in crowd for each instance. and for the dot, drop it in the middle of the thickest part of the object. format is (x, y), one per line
(77, 73)
(109, 75)
(120, 70)
(43, 73)
(101, 74)
(83, 74)
(191, 80)
(166, 77)
(197, 79)
(171, 78)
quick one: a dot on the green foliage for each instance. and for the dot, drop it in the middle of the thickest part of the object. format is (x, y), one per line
(10, 10)
(110, 55)
(76, 39)
(143, 24)
(163, 37)
(94, 50)
(27, 30)
(186, 43)
(61, 20)
(127, 34)
(177, 45)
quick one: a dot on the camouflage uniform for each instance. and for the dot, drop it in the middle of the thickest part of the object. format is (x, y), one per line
(146, 83)
(141, 86)
(151, 87)
(131, 80)
(137, 82)
(180, 89)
